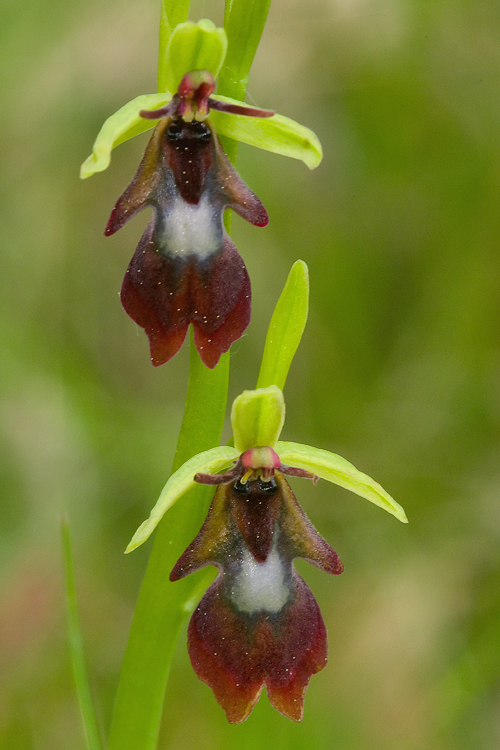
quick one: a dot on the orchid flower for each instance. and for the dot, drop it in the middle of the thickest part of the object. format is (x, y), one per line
(258, 623)
(185, 269)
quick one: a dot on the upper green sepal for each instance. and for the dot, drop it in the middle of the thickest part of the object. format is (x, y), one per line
(124, 124)
(336, 469)
(278, 134)
(257, 418)
(194, 46)
(211, 462)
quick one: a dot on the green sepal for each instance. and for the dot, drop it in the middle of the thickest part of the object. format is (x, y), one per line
(208, 462)
(194, 46)
(278, 134)
(286, 328)
(124, 124)
(336, 469)
(257, 418)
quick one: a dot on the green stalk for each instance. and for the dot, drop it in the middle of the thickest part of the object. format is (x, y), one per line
(162, 606)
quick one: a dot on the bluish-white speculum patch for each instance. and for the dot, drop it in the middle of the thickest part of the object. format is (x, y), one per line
(191, 229)
(259, 586)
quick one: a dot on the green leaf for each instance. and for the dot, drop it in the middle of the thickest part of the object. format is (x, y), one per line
(257, 418)
(182, 480)
(244, 23)
(124, 124)
(76, 645)
(277, 134)
(286, 328)
(194, 46)
(172, 13)
(336, 469)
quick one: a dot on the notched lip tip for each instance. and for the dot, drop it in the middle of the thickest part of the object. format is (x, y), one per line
(110, 226)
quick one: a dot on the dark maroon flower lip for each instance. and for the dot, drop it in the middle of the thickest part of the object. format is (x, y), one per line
(258, 623)
(186, 270)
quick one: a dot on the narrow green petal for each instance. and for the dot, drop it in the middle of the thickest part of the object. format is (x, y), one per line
(208, 462)
(336, 469)
(286, 328)
(194, 46)
(277, 134)
(124, 124)
(257, 418)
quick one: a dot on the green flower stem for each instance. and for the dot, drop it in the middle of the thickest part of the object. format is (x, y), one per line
(172, 12)
(162, 606)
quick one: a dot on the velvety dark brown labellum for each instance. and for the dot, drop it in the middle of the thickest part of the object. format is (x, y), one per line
(186, 269)
(258, 623)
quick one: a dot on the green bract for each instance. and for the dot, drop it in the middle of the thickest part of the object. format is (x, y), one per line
(286, 328)
(202, 46)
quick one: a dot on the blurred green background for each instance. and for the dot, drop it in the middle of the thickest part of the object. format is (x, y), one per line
(398, 370)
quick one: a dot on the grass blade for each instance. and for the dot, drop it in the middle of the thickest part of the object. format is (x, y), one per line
(76, 645)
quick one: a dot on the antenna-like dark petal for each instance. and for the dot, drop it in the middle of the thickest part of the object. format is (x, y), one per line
(166, 111)
(239, 109)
